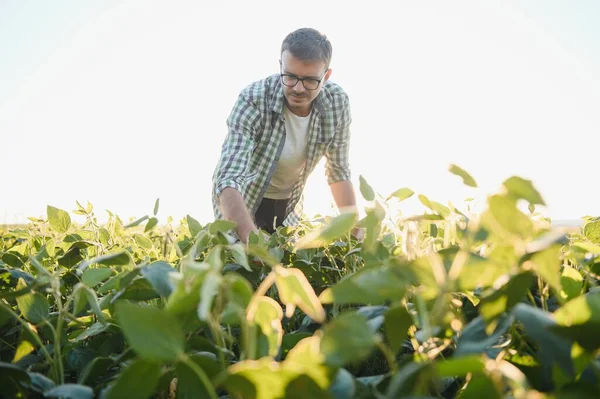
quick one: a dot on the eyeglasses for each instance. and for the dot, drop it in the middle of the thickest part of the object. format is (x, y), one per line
(309, 83)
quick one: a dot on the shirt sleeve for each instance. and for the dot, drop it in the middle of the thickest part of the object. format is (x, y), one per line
(236, 151)
(337, 166)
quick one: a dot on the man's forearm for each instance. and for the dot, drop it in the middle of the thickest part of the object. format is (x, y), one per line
(234, 209)
(343, 195)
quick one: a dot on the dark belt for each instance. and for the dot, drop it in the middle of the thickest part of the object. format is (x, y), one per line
(268, 211)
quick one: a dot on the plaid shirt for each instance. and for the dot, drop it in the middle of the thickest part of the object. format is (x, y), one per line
(255, 139)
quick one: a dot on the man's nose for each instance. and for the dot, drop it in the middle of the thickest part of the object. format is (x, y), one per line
(299, 87)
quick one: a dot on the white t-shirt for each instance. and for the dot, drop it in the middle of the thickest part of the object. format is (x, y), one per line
(293, 156)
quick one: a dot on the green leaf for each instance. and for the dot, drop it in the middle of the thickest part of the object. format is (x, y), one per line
(93, 277)
(83, 295)
(571, 282)
(95, 329)
(553, 350)
(185, 297)
(210, 289)
(193, 226)
(156, 206)
(591, 231)
(221, 226)
(24, 349)
(459, 367)
(372, 285)
(479, 272)
(267, 314)
(579, 320)
(120, 258)
(481, 386)
(267, 379)
(238, 292)
(94, 370)
(520, 188)
(366, 190)
(137, 222)
(401, 194)
(138, 380)
(157, 274)
(192, 382)
(424, 200)
(51, 247)
(152, 222)
(503, 299)
(343, 386)
(347, 339)
(338, 226)
(143, 241)
(396, 325)
(504, 217)
(417, 218)
(546, 264)
(33, 306)
(466, 177)
(59, 220)
(474, 340)
(70, 391)
(588, 247)
(153, 333)
(238, 251)
(295, 290)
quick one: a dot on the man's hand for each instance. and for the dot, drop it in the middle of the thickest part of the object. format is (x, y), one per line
(359, 233)
(234, 209)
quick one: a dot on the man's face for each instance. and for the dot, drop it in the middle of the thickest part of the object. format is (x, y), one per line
(298, 98)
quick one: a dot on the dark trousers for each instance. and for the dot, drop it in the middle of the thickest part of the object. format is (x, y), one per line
(267, 211)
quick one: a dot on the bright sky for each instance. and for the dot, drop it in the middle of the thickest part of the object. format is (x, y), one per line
(121, 102)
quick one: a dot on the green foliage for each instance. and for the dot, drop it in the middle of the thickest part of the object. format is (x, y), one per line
(446, 304)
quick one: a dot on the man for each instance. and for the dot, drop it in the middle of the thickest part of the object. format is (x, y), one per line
(278, 131)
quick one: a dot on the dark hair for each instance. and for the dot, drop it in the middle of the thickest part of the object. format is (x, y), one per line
(308, 45)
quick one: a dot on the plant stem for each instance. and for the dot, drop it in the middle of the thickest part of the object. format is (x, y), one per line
(201, 375)
(389, 356)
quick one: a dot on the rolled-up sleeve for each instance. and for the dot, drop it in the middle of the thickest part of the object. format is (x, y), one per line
(236, 151)
(337, 166)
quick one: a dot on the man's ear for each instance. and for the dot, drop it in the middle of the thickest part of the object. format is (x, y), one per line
(328, 74)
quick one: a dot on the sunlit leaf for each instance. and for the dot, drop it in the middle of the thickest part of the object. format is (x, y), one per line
(366, 190)
(402, 194)
(193, 225)
(152, 222)
(571, 282)
(59, 220)
(466, 177)
(295, 290)
(338, 226)
(520, 188)
(143, 241)
(267, 314)
(372, 285)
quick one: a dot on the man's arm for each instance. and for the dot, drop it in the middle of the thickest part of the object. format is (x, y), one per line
(343, 195)
(345, 199)
(229, 186)
(234, 208)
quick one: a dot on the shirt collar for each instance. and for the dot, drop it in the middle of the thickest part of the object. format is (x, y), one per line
(321, 103)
